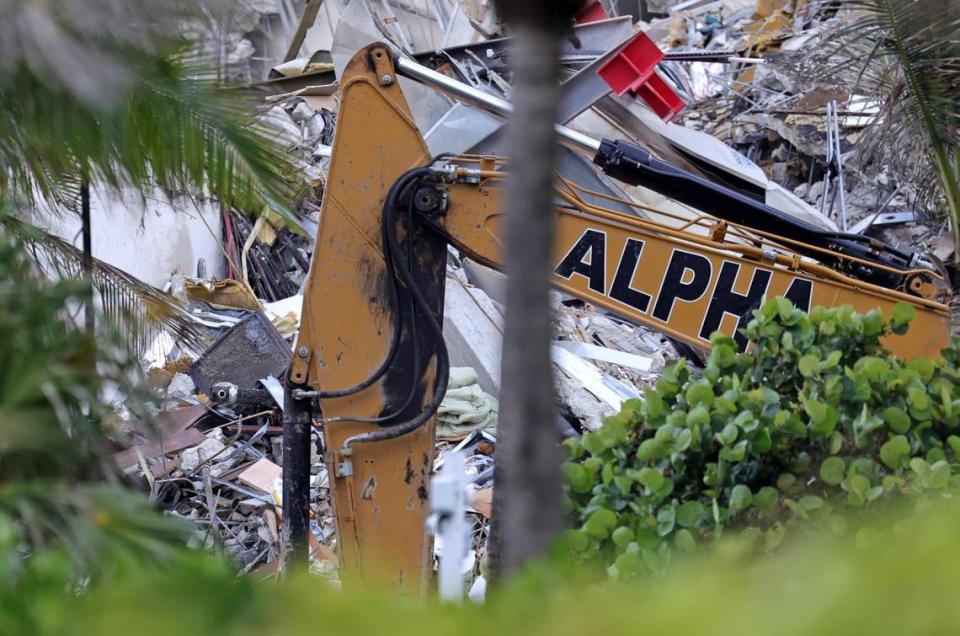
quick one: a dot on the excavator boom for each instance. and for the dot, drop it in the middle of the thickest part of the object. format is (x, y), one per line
(370, 362)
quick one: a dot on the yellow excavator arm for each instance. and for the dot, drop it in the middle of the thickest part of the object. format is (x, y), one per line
(370, 364)
(705, 275)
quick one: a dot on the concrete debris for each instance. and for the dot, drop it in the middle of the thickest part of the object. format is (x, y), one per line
(288, 133)
(237, 461)
(180, 386)
(191, 458)
(473, 329)
(779, 114)
(284, 315)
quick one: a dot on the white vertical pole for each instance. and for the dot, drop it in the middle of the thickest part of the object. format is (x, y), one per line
(448, 503)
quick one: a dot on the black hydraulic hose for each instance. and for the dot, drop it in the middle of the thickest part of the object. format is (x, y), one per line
(389, 204)
(413, 328)
(631, 164)
(443, 360)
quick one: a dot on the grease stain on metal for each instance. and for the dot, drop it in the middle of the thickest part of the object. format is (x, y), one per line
(369, 489)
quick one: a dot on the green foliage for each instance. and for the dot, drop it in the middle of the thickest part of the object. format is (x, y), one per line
(58, 486)
(903, 54)
(815, 420)
(98, 91)
(819, 586)
(108, 90)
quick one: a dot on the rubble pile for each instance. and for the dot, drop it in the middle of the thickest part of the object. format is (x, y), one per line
(214, 457)
(214, 453)
(785, 112)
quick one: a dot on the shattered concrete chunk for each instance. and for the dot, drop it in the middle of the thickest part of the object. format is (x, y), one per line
(181, 385)
(287, 131)
(191, 458)
(473, 330)
(301, 113)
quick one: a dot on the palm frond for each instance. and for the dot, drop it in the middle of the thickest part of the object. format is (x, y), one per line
(124, 102)
(58, 484)
(97, 525)
(89, 48)
(906, 54)
(197, 136)
(135, 308)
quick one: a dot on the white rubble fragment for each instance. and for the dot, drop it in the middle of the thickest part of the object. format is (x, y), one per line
(241, 52)
(293, 67)
(587, 375)
(314, 128)
(315, 173)
(301, 113)
(478, 591)
(159, 351)
(260, 6)
(633, 339)
(181, 386)
(279, 120)
(191, 458)
(605, 354)
(473, 331)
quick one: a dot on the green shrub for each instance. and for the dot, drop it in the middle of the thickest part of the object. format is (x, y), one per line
(815, 420)
(904, 584)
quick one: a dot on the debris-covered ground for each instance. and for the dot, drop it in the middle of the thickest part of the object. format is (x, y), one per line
(755, 115)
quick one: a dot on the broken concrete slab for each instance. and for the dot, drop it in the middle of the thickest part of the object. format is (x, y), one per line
(191, 458)
(473, 331)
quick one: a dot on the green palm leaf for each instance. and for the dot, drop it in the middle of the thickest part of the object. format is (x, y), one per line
(58, 483)
(137, 309)
(105, 90)
(906, 53)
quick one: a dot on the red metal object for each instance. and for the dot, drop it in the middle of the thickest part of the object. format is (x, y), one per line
(660, 97)
(633, 69)
(592, 12)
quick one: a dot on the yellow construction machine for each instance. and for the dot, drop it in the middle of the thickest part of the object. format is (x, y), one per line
(370, 366)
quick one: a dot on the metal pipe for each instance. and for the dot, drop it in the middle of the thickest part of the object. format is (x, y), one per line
(297, 425)
(419, 73)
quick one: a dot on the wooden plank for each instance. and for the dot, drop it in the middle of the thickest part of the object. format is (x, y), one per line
(309, 17)
(483, 502)
(261, 475)
(176, 442)
(169, 423)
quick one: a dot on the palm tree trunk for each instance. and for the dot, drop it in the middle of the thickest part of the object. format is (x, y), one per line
(527, 500)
